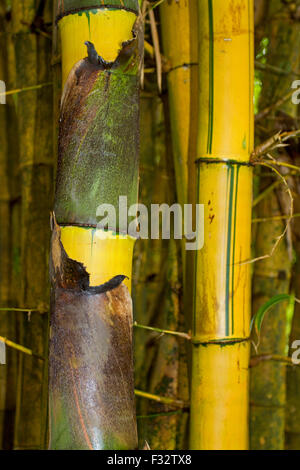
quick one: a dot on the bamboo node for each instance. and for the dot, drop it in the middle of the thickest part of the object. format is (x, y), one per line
(211, 160)
(220, 342)
(94, 7)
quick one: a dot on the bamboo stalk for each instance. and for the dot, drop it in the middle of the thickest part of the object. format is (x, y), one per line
(149, 255)
(14, 222)
(165, 375)
(179, 19)
(292, 427)
(33, 56)
(156, 285)
(219, 388)
(4, 227)
(267, 392)
(164, 400)
(91, 368)
(272, 275)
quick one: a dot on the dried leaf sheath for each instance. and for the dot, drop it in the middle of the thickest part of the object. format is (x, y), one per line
(98, 145)
(91, 376)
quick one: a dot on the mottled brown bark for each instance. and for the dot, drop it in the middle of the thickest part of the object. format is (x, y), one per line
(91, 367)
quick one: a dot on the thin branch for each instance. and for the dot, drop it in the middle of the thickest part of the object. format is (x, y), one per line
(255, 360)
(163, 332)
(29, 88)
(20, 348)
(12, 309)
(284, 164)
(159, 415)
(274, 69)
(156, 46)
(165, 400)
(159, 2)
(278, 240)
(143, 15)
(274, 218)
(265, 193)
(276, 141)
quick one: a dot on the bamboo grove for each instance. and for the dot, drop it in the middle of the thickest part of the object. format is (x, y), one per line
(110, 339)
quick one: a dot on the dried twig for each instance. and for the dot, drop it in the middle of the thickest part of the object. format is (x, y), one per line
(163, 332)
(155, 5)
(274, 69)
(146, 446)
(156, 46)
(276, 141)
(273, 219)
(278, 240)
(143, 15)
(255, 360)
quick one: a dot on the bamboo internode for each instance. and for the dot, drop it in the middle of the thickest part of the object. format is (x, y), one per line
(219, 390)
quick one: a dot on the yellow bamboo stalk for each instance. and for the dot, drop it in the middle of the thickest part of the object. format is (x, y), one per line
(179, 20)
(219, 389)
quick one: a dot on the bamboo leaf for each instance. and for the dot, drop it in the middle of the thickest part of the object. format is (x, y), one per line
(258, 318)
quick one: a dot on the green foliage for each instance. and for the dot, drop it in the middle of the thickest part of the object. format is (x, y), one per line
(258, 318)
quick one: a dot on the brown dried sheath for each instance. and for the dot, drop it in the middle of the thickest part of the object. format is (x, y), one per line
(91, 365)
